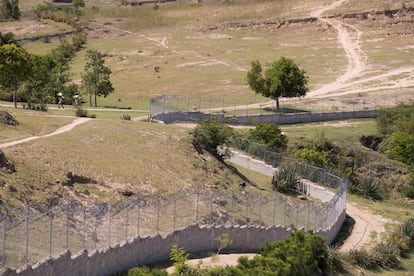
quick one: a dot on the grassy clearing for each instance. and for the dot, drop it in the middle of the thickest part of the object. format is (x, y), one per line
(31, 123)
(119, 155)
(338, 131)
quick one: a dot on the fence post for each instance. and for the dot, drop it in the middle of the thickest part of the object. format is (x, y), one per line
(138, 211)
(27, 233)
(198, 198)
(95, 235)
(50, 232)
(247, 210)
(158, 214)
(67, 229)
(4, 240)
(211, 208)
(109, 227)
(175, 211)
(274, 208)
(84, 228)
(126, 223)
(260, 208)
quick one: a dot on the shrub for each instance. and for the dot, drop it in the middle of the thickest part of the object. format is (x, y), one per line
(386, 255)
(399, 240)
(335, 260)
(145, 271)
(126, 117)
(286, 180)
(81, 112)
(268, 134)
(370, 188)
(408, 191)
(313, 157)
(408, 229)
(361, 258)
(209, 134)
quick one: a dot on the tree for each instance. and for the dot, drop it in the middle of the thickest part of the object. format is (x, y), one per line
(9, 9)
(14, 66)
(209, 134)
(268, 134)
(95, 79)
(282, 79)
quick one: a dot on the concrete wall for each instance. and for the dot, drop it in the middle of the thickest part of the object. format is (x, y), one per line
(149, 250)
(282, 118)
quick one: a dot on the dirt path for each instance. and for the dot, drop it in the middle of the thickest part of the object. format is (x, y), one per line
(58, 131)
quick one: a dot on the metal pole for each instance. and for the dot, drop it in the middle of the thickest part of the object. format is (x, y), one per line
(198, 198)
(175, 211)
(138, 211)
(109, 227)
(27, 234)
(211, 208)
(260, 208)
(4, 239)
(274, 209)
(95, 236)
(247, 210)
(158, 214)
(84, 228)
(50, 233)
(126, 223)
(67, 229)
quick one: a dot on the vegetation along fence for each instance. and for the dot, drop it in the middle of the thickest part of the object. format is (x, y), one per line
(32, 233)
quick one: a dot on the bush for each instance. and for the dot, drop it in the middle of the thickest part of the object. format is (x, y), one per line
(370, 188)
(408, 191)
(286, 180)
(126, 117)
(209, 134)
(408, 229)
(335, 260)
(386, 255)
(361, 258)
(81, 112)
(268, 134)
(312, 157)
(399, 240)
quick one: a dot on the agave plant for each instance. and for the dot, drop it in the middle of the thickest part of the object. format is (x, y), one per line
(286, 180)
(370, 188)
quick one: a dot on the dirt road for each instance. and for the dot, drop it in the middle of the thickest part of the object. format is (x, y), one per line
(60, 130)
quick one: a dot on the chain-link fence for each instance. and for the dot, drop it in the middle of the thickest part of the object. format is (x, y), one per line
(31, 233)
(170, 104)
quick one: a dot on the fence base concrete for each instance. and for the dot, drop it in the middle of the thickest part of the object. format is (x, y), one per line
(141, 251)
(279, 118)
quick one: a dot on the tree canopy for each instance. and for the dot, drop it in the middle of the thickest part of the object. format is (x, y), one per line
(95, 79)
(209, 134)
(283, 78)
(14, 67)
(268, 134)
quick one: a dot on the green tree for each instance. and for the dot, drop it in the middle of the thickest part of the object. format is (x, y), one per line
(283, 78)
(95, 79)
(9, 9)
(268, 134)
(15, 66)
(47, 78)
(209, 134)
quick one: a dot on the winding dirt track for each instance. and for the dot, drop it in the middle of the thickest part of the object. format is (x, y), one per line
(60, 130)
